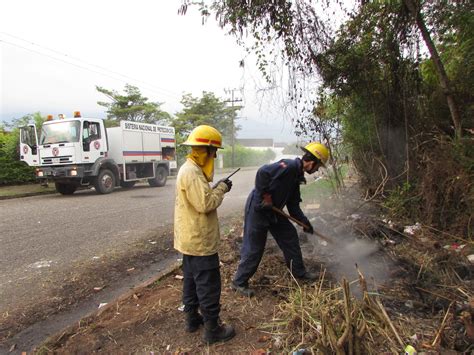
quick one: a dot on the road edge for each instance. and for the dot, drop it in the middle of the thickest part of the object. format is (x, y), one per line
(170, 177)
(53, 339)
(27, 194)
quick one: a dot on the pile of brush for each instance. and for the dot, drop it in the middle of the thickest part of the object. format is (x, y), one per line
(332, 321)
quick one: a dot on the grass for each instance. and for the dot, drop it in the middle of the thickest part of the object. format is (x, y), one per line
(24, 190)
(316, 190)
(322, 187)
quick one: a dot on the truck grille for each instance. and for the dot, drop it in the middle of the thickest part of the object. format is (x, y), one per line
(66, 159)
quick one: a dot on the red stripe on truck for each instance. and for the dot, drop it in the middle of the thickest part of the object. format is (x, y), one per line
(140, 153)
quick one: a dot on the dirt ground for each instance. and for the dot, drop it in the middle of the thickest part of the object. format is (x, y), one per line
(151, 320)
(423, 280)
(84, 280)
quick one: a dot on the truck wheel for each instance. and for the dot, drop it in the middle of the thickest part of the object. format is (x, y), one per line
(65, 189)
(105, 182)
(160, 177)
(127, 184)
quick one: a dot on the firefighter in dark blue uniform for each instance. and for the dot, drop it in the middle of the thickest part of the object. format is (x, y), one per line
(278, 185)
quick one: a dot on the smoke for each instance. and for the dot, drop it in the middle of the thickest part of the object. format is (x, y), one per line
(345, 251)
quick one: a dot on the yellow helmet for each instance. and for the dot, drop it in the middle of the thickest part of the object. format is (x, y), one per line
(317, 150)
(204, 135)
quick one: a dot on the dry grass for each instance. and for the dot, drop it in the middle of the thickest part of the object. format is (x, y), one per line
(328, 319)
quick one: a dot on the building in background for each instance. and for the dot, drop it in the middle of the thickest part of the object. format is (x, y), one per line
(263, 144)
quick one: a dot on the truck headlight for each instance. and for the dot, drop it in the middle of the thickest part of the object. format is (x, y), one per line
(39, 173)
(73, 172)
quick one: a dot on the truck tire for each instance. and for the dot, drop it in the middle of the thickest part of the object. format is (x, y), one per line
(65, 189)
(105, 182)
(127, 184)
(160, 177)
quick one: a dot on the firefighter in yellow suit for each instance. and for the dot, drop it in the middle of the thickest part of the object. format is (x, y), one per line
(196, 234)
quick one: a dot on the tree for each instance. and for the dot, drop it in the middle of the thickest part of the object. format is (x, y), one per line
(394, 100)
(298, 31)
(209, 110)
(415, 9)
(35, 118)
(132, 106)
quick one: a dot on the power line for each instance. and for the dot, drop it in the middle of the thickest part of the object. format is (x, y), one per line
(87, 63)
(147, 85)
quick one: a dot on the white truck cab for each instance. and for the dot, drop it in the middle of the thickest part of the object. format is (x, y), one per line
(79, 151)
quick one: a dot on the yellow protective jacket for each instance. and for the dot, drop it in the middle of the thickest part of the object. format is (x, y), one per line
(196, 227)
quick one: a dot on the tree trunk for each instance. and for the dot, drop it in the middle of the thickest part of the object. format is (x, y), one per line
(443, 77)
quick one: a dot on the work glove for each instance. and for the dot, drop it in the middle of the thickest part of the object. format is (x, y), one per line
(225, 181)
(309, 228)
(267, 202)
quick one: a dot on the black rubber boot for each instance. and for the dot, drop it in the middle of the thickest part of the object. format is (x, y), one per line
(243, 290)
(215, 332)
(309, 276)
(193, 321)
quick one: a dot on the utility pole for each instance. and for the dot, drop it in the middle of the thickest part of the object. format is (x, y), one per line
(232, 100)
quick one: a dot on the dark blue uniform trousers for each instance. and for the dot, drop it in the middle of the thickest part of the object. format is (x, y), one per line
(202, 285)
(256, 226)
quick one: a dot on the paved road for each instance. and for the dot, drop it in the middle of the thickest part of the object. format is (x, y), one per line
(44, 234)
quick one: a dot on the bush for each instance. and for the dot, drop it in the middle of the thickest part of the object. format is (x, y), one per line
(246, 157)
(402, 202)
(12, 170)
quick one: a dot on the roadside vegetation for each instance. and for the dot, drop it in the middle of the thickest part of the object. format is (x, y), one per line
(12, 170)
(319, 188)
(11, 191)
(391, 87)
(246, 156)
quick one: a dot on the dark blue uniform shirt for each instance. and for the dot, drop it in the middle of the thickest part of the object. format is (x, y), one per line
(282, 180)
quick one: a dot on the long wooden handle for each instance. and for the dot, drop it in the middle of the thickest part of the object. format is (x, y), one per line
(297, 221)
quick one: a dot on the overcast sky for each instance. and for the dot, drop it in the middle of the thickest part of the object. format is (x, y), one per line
(54, 53)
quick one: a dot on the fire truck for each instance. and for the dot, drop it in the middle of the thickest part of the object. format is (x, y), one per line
(75, 152)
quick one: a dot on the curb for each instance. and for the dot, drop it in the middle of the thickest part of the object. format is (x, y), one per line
(97, 313)
(28, 194)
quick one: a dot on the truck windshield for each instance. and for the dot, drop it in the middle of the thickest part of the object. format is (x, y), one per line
(60, 132)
